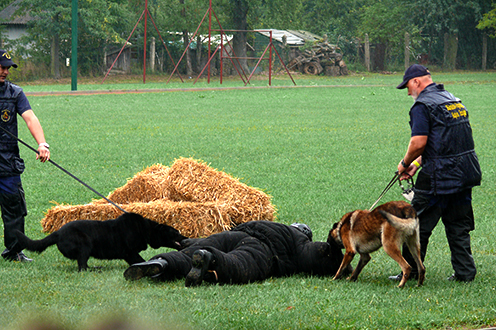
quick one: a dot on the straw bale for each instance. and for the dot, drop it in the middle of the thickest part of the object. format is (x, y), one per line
(195, 181)
(148, 185)
(61, 214)
(191, 219)
(190, 196)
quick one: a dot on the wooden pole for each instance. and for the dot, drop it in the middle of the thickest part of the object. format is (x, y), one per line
(74, 45)
(407, 50)
(484, 51)
(367, 52)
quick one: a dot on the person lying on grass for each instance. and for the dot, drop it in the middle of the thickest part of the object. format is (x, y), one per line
(252, 251)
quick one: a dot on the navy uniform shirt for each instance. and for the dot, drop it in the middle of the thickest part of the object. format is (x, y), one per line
(419, 120)
(8, 185)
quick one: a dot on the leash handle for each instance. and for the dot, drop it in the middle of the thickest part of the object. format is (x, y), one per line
(390, 184)
(65, 171)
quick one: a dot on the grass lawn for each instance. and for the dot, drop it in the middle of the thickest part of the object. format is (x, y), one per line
(321, 149)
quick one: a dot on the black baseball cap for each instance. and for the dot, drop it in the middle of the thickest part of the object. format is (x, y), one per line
(6, 60)
(414, 71)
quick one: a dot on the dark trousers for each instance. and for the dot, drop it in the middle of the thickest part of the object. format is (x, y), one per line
(13, 207)
(238, 258)
(455, 211)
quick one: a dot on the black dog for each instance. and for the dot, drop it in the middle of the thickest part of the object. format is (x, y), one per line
(122, 238)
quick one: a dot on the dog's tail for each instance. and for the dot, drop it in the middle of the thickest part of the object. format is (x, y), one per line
(407, 225)
(36, 245)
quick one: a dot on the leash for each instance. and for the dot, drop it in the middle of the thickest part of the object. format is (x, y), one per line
(65, 171)
(390, 184)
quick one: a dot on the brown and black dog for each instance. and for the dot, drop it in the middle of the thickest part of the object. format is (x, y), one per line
(390, 225)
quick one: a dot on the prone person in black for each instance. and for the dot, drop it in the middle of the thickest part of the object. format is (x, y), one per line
(250, 252)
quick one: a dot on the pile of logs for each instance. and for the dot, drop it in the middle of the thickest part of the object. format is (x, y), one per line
(321, 57)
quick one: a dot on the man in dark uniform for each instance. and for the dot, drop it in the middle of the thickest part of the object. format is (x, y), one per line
(442, 144)
(250, 252)
(13, 102)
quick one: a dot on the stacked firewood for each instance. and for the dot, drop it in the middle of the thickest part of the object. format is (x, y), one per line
(321, 57)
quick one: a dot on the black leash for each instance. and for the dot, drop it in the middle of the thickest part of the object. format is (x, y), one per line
(390, 184)
(64, 170)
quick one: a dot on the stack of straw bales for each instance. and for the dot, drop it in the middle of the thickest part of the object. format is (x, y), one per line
(189, 196)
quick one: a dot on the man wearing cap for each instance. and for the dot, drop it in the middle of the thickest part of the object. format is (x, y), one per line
(13, 102)
(250, 252)
(441, 143)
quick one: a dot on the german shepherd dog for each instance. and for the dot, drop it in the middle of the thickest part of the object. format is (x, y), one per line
(121, 238)
(390, 225)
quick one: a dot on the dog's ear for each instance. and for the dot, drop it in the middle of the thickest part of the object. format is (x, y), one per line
(330, 236)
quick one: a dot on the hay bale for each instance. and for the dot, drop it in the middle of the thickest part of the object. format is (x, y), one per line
(148, 185)
(189, 196)
(191, 219)
(61, 214)
(195, 181)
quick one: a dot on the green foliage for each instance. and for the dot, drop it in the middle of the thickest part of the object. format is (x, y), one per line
(317, 159)
(380, 21)
(4, 3)
(100, 22)
(457, 19)
(280, 14)
(105, 24)
(488, 22)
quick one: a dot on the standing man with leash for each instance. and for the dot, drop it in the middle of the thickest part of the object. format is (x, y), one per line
(442, 144)
(14, 102)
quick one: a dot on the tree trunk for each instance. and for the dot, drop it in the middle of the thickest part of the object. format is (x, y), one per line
(450, 49)
(189, 67)
(407, 50)
(484, 52)
(199, 67)
(367, 52)
(239, 47)
(379, 57)
(240, 8)
(55, 60)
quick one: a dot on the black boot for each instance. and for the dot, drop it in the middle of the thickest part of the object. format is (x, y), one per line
(13, 256)
(200, 262)
(152, 268)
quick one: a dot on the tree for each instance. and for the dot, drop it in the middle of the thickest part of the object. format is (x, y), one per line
(445, 23)
(239, 10)
(488, 22)
(380, 20)
(280, 14)
(99, 22)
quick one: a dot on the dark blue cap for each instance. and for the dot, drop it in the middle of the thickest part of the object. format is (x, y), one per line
(415, 70)
(6, 60)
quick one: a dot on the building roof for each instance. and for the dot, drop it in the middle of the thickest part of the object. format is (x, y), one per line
(9, 15)
(293, 37)
(305, 35)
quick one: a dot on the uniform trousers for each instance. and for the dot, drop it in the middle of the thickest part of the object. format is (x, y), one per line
(13, 208)
(456, 213)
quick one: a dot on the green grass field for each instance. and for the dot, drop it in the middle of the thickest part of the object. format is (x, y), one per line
(321, 149)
